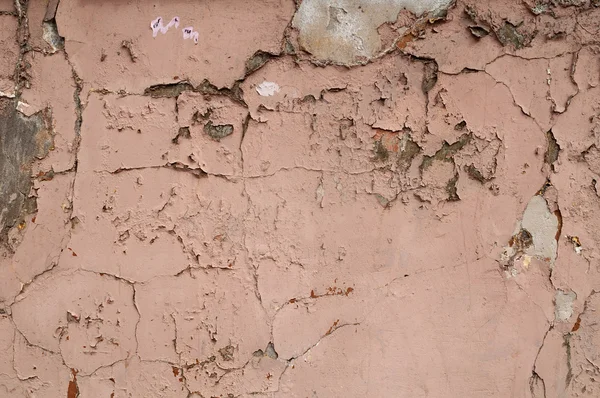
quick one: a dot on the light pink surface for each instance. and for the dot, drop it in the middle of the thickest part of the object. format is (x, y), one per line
(350, 234)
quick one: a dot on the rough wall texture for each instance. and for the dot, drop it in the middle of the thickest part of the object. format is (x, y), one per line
(344, 198)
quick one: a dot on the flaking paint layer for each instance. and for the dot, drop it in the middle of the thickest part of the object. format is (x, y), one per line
(299, 199)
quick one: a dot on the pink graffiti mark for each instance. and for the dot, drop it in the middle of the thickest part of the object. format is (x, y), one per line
(157, 25)
(188, 33)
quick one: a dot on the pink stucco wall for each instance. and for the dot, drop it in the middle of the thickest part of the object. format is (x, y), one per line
(315, 199)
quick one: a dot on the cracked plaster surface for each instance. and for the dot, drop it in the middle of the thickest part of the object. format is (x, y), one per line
(319, 199)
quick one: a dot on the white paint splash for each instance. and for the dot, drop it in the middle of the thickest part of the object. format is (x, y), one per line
(188, 33)
(157, 25)
(267, 89)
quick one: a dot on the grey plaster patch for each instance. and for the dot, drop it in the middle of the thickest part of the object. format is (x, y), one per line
(563, 302)
(535, 235)
(345, 31)
(542, 225)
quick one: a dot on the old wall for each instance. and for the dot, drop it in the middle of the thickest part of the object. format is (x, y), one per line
(344, 198)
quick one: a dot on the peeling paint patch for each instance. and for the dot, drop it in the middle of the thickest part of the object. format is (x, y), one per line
(507, 31)
(168, 90)
(73, 391)
(22, 140)
(10, 54)
(576, 244)
(239, 220)
(553, 150)
(257, 60)
(217, 132)
(51, 35)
